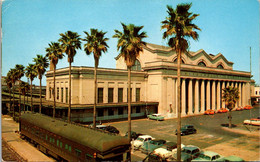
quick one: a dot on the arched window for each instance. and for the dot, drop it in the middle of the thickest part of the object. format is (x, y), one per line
(136, 66)
(175, 61)
(201, 64)
(220, 66)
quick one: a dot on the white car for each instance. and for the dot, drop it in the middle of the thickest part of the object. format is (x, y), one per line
(163, 152)
(140, 141)
(252, 122)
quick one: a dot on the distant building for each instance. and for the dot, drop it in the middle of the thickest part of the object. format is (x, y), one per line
(256, 94)
(154, 85)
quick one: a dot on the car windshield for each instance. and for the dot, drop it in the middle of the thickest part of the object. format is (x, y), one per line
(140, 139)
(204, 157)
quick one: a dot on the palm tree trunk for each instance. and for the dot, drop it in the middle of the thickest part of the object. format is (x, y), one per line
(54, 97)
(69, 109)
(40, 96)
(179, 107)
(27, 94)
(20, 99)
(31, 98)
(229, 118)
(13, 99)
(24, 102)
(129, 110)
(95, 96)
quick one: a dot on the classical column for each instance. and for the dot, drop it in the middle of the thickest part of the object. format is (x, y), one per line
(240, 94)
(183, 98)
(196, 97)
(208, 96)
(222, 87)
(115, 97)
(218, 95)
(236, 86)
(190, 92)
(213, 89)
(105, 92)
(202, 98)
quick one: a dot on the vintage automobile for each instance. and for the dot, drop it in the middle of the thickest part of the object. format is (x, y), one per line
(222, 110)
(193, 151)
(166, 149)
(184, 157)
(252, 121)
(207, 156)
(248, 107)
(231, 158)
(140, 141)
(187, 129)
(150, 146)
(209, 112)
(108, 128)
(155, 117)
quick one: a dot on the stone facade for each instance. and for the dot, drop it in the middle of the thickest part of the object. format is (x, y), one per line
(154, 80)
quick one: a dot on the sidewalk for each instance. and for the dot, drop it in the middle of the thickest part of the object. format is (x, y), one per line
(21, 147)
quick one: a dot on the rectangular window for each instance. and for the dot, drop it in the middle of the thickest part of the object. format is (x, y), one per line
(78, 152)
(110, 95)
(58, 142)
(67, 94)
(137, 94)
(69, 148)
(66, 146)
(256, 92)
(120, 111)
(138, 109)
(50, 92)
(46, 137)
(61, 95)
(100, 112)
(58, 93)
(100, 95)
(120, 95)
(110, 112)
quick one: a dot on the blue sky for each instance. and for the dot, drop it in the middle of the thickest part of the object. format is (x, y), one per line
(229, 27)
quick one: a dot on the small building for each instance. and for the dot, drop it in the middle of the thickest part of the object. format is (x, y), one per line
(153, 85)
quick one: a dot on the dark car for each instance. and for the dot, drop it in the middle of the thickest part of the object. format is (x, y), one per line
(191, 150)
(170, 146)
(108, 128)
(134, 135)
(187, 129)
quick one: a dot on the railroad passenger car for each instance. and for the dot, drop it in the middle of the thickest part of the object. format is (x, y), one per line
(71, 142)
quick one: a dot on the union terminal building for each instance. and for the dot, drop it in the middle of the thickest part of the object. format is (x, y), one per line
(153, 86)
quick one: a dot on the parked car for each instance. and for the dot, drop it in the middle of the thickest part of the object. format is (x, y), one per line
(187, 129)
(140, 141)
(166, 149)
(209, 112)
(207, 156)
(231, 158)
(150, 146)
(108, 128)
(252, 121)
(155, 117)
(248, 107)
(193, 151)
(240, 108)
(222, 110)
(184, 157)
(134, 135)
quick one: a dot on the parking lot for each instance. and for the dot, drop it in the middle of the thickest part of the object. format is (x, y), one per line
(210, 134)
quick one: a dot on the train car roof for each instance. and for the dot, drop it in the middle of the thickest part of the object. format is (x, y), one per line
(90, 137)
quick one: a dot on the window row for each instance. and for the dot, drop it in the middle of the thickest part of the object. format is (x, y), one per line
(118, 111)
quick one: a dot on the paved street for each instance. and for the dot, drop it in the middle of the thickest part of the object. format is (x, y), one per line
(210, 133)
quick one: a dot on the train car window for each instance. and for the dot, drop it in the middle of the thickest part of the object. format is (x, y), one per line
(60, 144)
(78, 152)
(46, 137)
(50, 139)
(69, 148)
(88, 157)
(66, 146)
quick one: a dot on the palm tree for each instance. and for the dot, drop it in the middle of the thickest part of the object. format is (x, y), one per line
(179, 27)
(24, 87)
(70, 42)
(130, 42)
(12, 76)
(54, 53)
(96, 44)
(41, 63)
(230, 95)
(31, 73)
(20, 73)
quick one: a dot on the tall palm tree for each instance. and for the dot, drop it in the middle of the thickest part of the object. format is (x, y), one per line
(179, 27)
(31, 73)
(24, 87)
(12, 76)
(70, 42)
(41, 63)
(20, 73)
(96, 44)
(130, 43)
(54, 53)
(230, 95)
